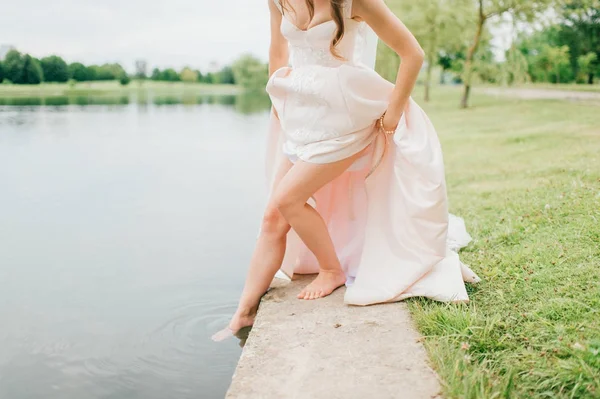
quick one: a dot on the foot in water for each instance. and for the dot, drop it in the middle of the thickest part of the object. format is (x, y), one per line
(239, 322)
(322, 286)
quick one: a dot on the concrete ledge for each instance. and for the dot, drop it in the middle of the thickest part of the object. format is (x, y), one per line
(325, 349)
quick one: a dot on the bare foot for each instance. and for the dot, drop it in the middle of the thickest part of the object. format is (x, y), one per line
(325, 283)
(238, 322)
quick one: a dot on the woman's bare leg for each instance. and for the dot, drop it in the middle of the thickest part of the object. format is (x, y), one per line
(291, 196)
(266, 260)
(294, 185)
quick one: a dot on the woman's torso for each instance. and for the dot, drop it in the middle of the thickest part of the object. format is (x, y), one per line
(313, 46)
(327, 105)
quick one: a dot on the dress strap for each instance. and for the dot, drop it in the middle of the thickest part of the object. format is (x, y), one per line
(347, 8)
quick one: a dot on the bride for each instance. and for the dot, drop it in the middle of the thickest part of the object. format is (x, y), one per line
(357, 186)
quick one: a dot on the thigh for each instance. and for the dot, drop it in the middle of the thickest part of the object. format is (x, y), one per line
(282, 170)
(304, 179)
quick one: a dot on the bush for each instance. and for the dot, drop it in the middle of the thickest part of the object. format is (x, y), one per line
(124, 80)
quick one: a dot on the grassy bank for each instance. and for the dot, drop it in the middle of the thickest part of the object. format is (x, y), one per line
(525, 175)
(114, 88)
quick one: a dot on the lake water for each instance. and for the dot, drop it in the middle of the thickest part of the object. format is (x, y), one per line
(126, 226)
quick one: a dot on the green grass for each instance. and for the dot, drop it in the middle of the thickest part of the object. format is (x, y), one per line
(525, 175)
(114, 88)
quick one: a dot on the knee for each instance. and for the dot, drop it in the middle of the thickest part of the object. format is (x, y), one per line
(274, 223)
(286, 205)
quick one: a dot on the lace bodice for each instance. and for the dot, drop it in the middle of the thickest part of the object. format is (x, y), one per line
(312, 46)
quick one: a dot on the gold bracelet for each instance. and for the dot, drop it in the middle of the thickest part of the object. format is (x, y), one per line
(383, 128)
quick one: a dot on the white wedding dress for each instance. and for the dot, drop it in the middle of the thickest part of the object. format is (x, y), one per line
(388, 214)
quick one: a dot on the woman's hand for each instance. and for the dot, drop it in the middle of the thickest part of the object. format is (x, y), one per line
(397, 36)
(389, 121)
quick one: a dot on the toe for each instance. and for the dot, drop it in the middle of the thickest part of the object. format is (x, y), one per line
(312, 296)
(321, 294)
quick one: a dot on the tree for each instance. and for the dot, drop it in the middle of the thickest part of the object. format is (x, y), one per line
(32, 71)
(515, 69)
(105, 72)
(116, 70)
(209, 78)
(78, 72)
(170, 75)
(141, 68)
(250, 72)
(188, 75)
(552, 60)
(55, 69)
(1, 71)
(155, 74)
(14, 63)
(559, 59)
(225, 76)
(438, 25)
(484, 68)
(587, 66)
(580, 30)
(450, 60)
(486, 9)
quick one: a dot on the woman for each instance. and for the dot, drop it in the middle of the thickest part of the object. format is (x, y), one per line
(358, 191)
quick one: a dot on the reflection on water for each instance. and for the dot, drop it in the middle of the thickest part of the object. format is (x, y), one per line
(126, 225)
(245, 103)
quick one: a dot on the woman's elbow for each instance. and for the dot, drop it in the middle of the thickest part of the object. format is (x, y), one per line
(414, 54)
(419, 55)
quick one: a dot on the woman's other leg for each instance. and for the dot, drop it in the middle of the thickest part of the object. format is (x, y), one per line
(266, 259)
(291, 196)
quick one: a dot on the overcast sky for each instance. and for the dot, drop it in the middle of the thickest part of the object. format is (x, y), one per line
(172, 33)
(165, 33)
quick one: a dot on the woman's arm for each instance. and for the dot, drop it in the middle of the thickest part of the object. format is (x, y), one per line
(278, 51)
(397, 36)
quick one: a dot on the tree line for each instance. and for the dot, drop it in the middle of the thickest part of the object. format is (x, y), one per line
(555, 41)
(18, 68)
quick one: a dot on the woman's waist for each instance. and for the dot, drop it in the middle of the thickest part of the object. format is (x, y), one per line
(322, 70)
(316, 55)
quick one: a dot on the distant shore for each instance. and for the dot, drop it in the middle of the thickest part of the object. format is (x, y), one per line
(115, 88)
